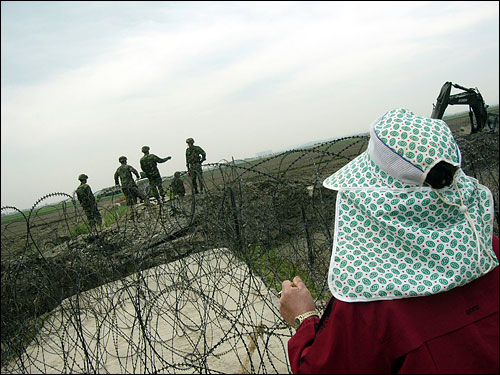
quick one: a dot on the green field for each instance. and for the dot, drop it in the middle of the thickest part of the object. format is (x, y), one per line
(65, 205)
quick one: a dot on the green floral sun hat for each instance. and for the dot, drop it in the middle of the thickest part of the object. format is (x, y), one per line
(395, 237)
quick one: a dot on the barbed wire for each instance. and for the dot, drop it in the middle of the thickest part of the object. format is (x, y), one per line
(187, 286)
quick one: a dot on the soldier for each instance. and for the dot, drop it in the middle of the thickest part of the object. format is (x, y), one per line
(178, 191)
(148, 165)
(129, 187)
(88, 203)
(194, 157)
(177, 186)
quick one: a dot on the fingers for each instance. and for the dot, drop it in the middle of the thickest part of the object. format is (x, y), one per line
(297, 281)
(294, 299)
(286, 284)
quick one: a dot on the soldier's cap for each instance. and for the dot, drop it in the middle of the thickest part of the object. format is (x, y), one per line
(122, 158)
(83, 177)
(145, 148)
(190, 140)
(177, 174)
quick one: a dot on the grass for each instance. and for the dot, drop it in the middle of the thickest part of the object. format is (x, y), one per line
(53, 208)
(41, 211)
(79, 228)
(15, 217)
(273, 268)
(50, 208)
(108, 219)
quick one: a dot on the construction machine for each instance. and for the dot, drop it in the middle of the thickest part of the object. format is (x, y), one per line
(469, 96)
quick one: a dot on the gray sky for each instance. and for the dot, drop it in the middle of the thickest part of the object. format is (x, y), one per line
(85, 82)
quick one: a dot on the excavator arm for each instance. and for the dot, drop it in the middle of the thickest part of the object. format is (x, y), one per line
(472, 97)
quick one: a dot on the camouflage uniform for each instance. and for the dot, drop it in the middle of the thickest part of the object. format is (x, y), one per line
(148, 165)
(177, 186)
(129, 187)
(195, 155)
(88, 203)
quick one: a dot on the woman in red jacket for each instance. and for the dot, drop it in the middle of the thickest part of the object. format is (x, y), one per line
(413, 271)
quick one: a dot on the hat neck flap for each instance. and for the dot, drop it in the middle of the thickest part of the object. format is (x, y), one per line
(392, 244)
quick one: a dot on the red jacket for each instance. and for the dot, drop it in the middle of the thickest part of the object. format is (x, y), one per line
(452, 332)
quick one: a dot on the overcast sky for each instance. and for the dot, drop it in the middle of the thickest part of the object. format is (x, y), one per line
(85, 82)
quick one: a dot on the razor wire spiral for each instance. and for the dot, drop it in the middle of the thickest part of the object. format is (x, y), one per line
(188, 286)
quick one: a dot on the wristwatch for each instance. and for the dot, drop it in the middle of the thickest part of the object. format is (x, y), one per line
(300, 318)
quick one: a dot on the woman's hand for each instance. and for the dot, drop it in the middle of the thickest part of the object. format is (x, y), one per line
(295, 299)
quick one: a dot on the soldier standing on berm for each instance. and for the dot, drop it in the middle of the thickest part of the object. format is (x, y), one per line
(88, 203)
(194, 157)
(129, 187)
(148, 165)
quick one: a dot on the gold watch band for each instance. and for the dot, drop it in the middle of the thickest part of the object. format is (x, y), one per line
(300, 318)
